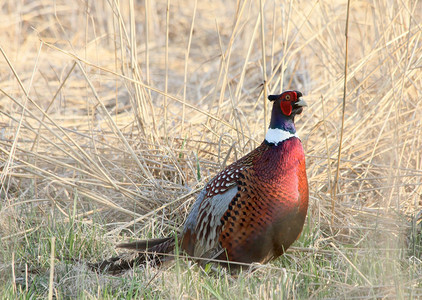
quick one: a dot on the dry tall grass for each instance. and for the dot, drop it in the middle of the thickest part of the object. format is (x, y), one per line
(115, 113)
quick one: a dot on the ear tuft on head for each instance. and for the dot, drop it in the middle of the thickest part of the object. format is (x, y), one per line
(273, 97)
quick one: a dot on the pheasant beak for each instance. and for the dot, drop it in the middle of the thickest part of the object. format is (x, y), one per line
(300, 103)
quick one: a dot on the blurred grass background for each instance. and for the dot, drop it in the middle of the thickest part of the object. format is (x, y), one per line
(114, 114)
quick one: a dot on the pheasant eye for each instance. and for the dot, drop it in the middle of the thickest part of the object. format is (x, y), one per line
(287, 97)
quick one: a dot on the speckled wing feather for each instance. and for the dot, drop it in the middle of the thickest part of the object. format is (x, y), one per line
(203, 225)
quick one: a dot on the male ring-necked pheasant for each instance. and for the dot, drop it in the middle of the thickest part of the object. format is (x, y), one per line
(251, 211)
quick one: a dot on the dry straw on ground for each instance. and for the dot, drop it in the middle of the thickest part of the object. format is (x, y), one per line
(114, 113)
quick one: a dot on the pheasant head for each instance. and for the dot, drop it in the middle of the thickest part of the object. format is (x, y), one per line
(285, 107)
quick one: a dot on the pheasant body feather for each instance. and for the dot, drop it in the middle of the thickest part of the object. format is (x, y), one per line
(249, 217)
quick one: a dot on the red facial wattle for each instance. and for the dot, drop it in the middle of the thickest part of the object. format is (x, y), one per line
(286, 107)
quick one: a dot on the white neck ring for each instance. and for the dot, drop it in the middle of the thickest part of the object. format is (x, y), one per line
(276, 135)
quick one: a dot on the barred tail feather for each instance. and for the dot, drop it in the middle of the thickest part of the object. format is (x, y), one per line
(147, 251)
(143, 245)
